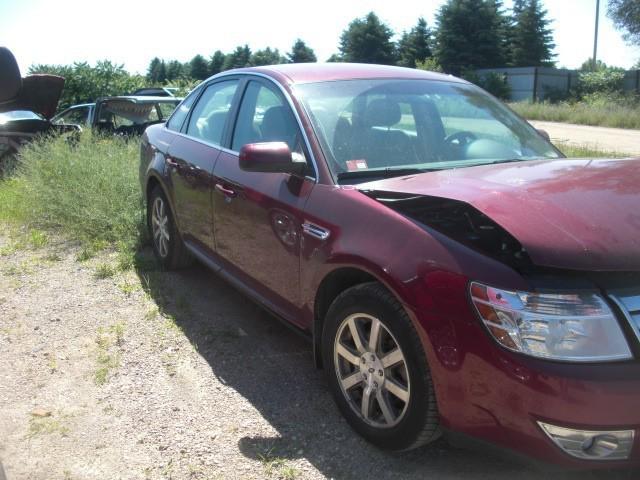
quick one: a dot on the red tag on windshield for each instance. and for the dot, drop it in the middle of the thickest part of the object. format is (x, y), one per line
(353, 165)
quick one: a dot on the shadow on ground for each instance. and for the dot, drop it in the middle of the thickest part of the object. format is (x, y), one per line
(271, 366)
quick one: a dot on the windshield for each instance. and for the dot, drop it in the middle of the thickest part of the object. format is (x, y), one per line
(389, 126)
(18, 115)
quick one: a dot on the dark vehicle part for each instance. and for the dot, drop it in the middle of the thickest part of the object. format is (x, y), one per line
(461, 222)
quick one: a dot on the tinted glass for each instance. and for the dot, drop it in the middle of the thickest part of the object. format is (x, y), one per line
(264, 116)
(210, 113)
(179, 116)
(75, 116)
(18, 115)
(381, 124)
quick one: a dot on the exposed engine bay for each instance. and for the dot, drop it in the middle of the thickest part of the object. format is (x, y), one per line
(460, 222)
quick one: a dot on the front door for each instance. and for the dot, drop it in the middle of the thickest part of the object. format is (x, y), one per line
(191, 160)
(258, 216)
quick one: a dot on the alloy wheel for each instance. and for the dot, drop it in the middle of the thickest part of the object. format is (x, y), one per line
(371, 370)
(160, 227)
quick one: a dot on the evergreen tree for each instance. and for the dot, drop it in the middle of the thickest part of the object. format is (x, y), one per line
(199, 69)
(413, 47)
(153, 70)
(162, 72)
(239, 58)
(532, 39)
(300, 53)
(174, 70)
(266, 57)
(368, 40)
(626, 16)
(216, 63)
(470, 35)
(335, 58)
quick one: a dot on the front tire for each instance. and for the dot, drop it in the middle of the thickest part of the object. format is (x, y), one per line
(168, 246)
(377, 369)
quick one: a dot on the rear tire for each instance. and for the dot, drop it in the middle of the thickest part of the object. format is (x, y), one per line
(379, 380)
(168, 246)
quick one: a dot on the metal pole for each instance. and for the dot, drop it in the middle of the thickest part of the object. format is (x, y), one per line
(595, 38)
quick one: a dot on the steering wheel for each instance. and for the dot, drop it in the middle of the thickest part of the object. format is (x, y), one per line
(460, 139)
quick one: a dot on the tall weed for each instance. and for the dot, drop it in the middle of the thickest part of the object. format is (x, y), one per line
(86, 190)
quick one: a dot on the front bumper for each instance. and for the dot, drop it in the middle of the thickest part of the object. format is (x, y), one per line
(494, 395)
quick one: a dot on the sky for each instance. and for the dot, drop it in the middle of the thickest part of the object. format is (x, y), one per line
(132, 32)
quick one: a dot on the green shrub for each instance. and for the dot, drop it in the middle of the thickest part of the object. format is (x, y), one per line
(87, 190)
(607, 80)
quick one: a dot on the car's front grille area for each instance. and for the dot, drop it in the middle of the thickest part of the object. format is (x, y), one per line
(628, 300)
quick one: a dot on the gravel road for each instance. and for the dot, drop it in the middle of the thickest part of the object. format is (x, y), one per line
(600, 138)
(153, 375)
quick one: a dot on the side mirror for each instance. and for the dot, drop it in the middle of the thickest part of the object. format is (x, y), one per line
(269, 157)
(544, 134)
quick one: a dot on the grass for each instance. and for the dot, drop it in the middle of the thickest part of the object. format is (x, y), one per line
(277, 467)
(46, 425)
(104, 270)
(585, 151)
(604, 115)
(106, 360)
(87, 191)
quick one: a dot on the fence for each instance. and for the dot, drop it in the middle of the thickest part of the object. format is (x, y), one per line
(538, 83)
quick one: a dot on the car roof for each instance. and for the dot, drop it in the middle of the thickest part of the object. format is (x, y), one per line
(327, 72)
(80, 105)
(143, 99)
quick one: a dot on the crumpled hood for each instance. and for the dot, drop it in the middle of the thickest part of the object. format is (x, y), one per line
(578, 214)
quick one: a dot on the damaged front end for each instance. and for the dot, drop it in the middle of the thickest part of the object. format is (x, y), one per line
(459, 221)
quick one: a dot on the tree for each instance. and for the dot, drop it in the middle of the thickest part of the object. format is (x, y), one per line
(174, 70)
(300, 53)
(368, 40)
(413, 47)
(85, 83)
(626, 16)
(587, 65)
(531, 38)
(216, 63)
(199, 68)
(335, 58)
(266, 57)
(156, 72)
(239, 58)
(470, 35)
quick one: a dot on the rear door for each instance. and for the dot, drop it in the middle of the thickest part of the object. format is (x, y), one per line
(192, 157)
(258, 216)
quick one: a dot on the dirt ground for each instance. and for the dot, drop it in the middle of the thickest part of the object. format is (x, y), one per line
(153, 375)
(600, 138)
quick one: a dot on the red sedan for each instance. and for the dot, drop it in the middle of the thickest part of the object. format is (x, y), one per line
(455, 273)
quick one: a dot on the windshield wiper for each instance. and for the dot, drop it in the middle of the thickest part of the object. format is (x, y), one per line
(510, 160)
(382, 173)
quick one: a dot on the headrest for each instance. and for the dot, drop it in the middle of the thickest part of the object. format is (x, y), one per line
(382, 113)
(277, 123)
(10, 80)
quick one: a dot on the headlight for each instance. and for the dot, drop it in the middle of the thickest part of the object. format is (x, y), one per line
(578, 327)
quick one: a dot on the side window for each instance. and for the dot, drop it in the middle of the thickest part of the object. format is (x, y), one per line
(179, 116)
(264, 116)
(210, 113)
(75, 116)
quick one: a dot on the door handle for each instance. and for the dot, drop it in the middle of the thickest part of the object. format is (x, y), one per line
(227, 192)
(172, 163)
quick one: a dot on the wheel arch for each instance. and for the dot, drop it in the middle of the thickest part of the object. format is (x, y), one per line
(333, 284)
